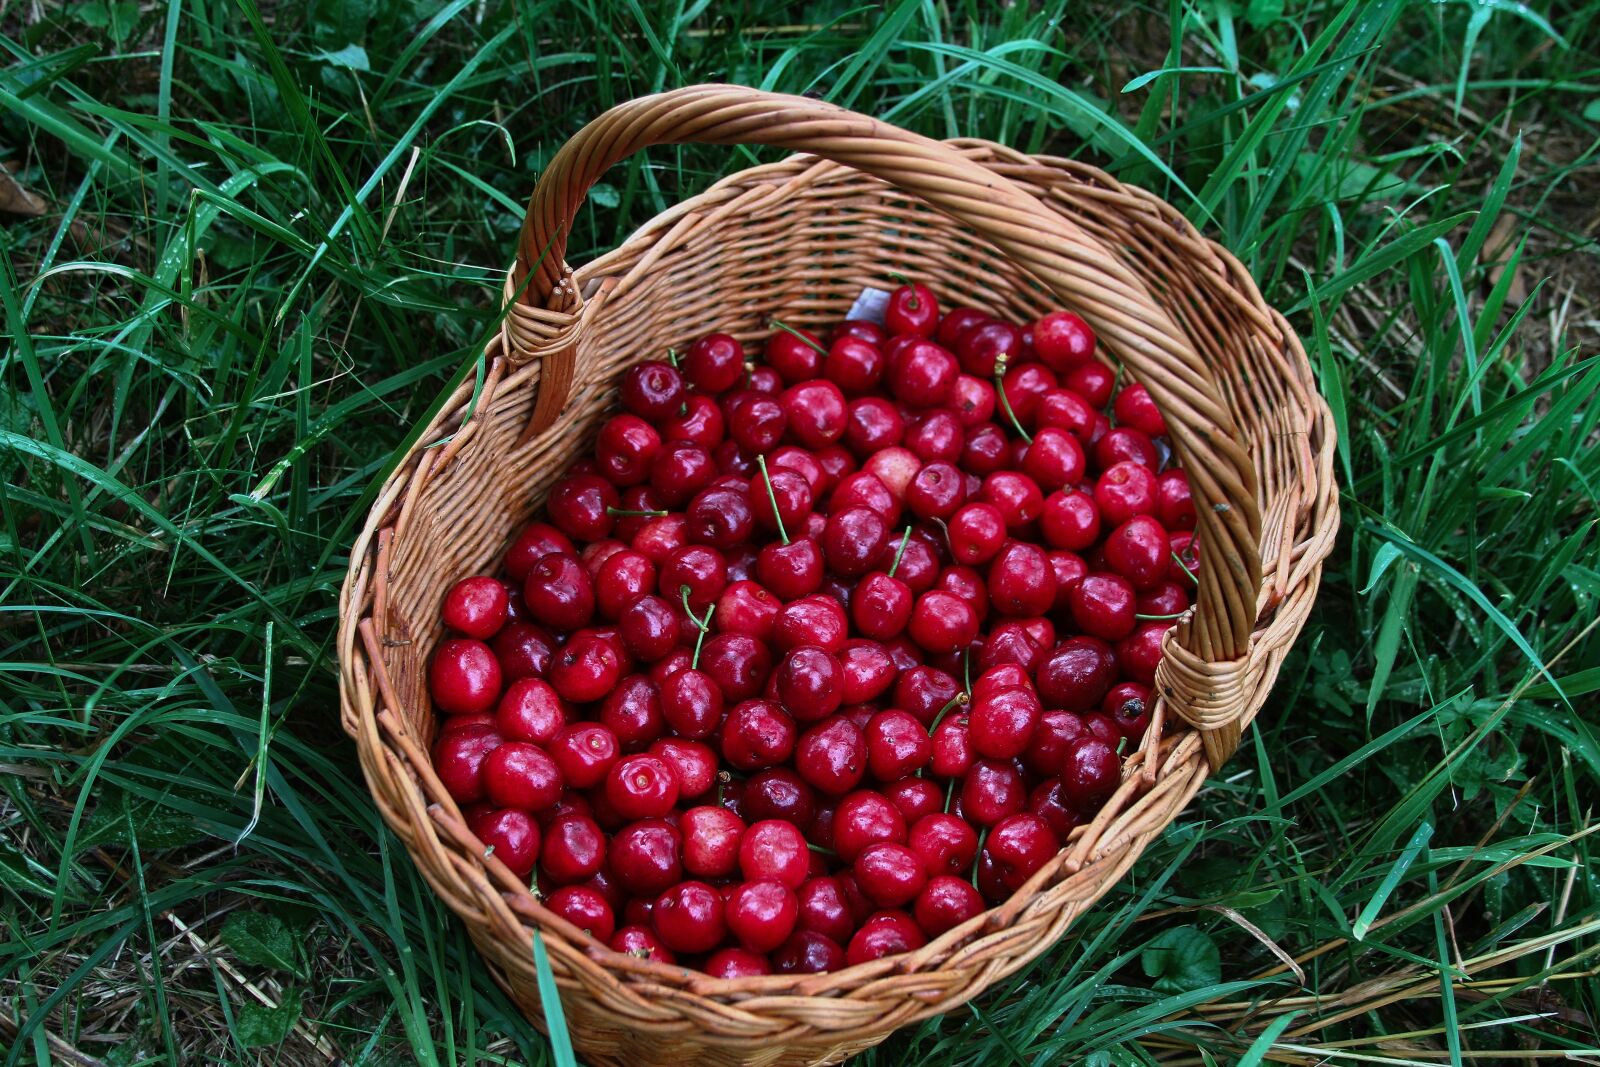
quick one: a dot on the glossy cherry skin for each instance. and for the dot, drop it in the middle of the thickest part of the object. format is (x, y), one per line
(694, 763)
(855, 365)
(464, 677)
(580, 506)
(956, 322)
(1022, 583)
(867, 670)
(973, 401)
(644, 856)
(1001, 725)
(853, 540)
(1125, 489)
(1125, 444)
(1019, 845)
(521, 775)
(559, 593)
(734, 962)
(890, 875)
(945, 844)
(721, 516)
(536, 541)
(1065, 410)
(756, 734)
(810, 683)
(816, 412)
(897, 745)
(992, 790)
(1054, 459)
(888, 933)
(623, 578)
(691, 704)
(832, 756)
(986, 451)
(880, 606)
(863, 489)
(1166, 598)
(942, 622)
(1102, 605)
(779, 793)
(796, 359)
(1090, 773)
(1010, 643)
(945, 903)
(642, 787)
(952, 747)
(794, 497)
(1077, 674)
(584, 752)
(925, 692)
(1128, 704)
(642, 942)
(711, 839)
(574, 849)
(865, 818)
(737, 664)
(977, 531)
(825, 909)
(1091, 380)
(762, 915)
(476, 607)
(872, 424)
(936, 436)
(1140, 652)
(626, 449)
(1016, 496)
(586, 668)
(700, 569)
(531, 711)
(1139, 551)
(983, 347)
(936, 491)
(714, 364)
(894, 467)
(681, 470)
(1063, 340)
(649, 627)
(808, 952)
(688, 917)
(774, 850)
(511, 836)
(912, 309)
(585, 908)
(815, 620)
(458, 758)
(1174, 501)
(923, 374)
(1048, 747)
(652, 390)
(699, 421)
(1070, 520)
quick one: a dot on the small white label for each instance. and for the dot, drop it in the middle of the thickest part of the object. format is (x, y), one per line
(870, 305)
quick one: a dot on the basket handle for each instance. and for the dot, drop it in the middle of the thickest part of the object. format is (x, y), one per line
(1203, 679)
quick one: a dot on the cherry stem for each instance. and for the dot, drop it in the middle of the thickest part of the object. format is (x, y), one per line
(819, 848)
(966, 669)
(641, 514)
(905, 539)
(949, 795)
(672, 356)
(959, 698)
(723, 778)
(786, 328)
(1158, 618)
(704, 624)
(914, 302)
(761, 461)
(1122, 743)
(1005, 401)
(1179, 561)
(983, 838)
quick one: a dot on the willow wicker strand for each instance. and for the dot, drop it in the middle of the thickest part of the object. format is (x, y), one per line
(796, 240)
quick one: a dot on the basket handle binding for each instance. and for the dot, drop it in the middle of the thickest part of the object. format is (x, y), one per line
(1201, 675)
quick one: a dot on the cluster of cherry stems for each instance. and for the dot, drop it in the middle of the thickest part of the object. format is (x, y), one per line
(819, 656)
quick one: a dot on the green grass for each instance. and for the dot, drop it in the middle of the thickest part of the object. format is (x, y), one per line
(271, 234)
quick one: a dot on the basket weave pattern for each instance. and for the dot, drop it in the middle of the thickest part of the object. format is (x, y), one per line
(1014, 234)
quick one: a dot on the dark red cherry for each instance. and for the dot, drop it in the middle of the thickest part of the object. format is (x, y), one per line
(1022, 582)
(649, 627)
(584, 908)
(912, 309)
(779, 793)
(1102, 606)
(924, 692)
(816, 413)
(915, 796)
(923, 374)
(1049, 803)
(1139, 551)
(867, 670)
(762, 915)
(1140, 652)
(523, 776)
(865, 818)
(523, 651)
(584, 752)
(945, 903)
(863, 489)
(756, 734)
(714, 364)
(711, 837)
(1019, 845)
(897, 745)
(644, 856)
(881, 606)
(1128, 704)
(720, 516)
(1091, 380)
(793, 570)
(458, 758)
(1024, 385)
(580, 506)
(477, 607)
(832, 756)
(810, 683)
(1063, 341)
(1065, 410)
(510, 836)
(736, 962)
(763, 380)
(622, 579)
(945, 844)
(642, 942)
(1077, 674)
(681, 470)
(1070, 520)
(700, 569)
(659, 538)
(1001, 724)
(973, 401)
(642, 787)
(854, 365)
(536, 541)
(699, 422)
(986, 451)
(694, 763)
(1049, 745)
(976, 533)
(652, 390)
(1090, 773)
(890, 875)
(936, 436)
(873, 424)
(1126, 445)
(559, 592)
(774, 850)
(956, 322)
(853, 540)
(739, 665)
(464, 677)
(531, 711)
(1054, 459)
(888, 933)
(793, 494)
(796, 359)
(985, 345)
(573, 849)
(688, 917)
(824, 909)
(586, 668)
(1174, 503)
(815, 620)
(1135, 408)
(992, 790)
(626, 450)
(942, 622)
(746, 608)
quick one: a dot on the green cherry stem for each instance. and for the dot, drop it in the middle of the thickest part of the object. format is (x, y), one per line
(960, 698)
(641, 514)
(761, 461)
(786, 328)
(1159, 618)
(1179, 561)
(949, 795)
(983, 839)
(1005, 401)
(704, 624)
(905, 539)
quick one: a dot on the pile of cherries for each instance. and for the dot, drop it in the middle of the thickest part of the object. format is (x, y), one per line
(819, 656)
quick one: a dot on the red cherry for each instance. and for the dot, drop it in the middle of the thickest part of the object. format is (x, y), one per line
(973, 401)
(698, 421)
(1021, 580)
(853, 540)
(1049, 745)
(912, 309)
(584, 908)
(649, 627)
(923, 374)
(464, 677)
(824, 909)
(815, 620)
(580, 506)
(1063, 340)
(694, 763)
(584, 753)
(621, 580)
(816, 413)
(720, 516)
(1139, 550)
(626, 449)
(763, 380)
(992, 790)
(942, 622)
(1019, 845)
(810, 683)
(872, 424)
(688, 917)
(863, 489)
(642, 787)
(477, 607)
(762, 915)
(956, 322)
(1071, 520)
(1135, 408)
(560, 593)
(1054, 459)
(1186, 562)
(1016, 496)
(1049, 803)
(774, 850)
(1174, 502)
(1024, 385)
(737, 664)
(711, 839)
(681, 470)
(644, 856)
(691, 704)
(1065, 410)
(897, 745)
(536, 541)
(936, 436)
(888, 933)
(914, 796)
(944, 843)
(853, 364)
(737, 963)
(1128, 704)
(945, 903)
(1125, 444)
(779, 793)
(795, 359)
(714, 364)
(865, 818)
(574, 849)
(1077, 674)
(936, 491)
(520, 775)
(793, 494)
(510, 836)
(924, 692)
(976, 533)
(1010, 643)
(867, 671)
(985, 345)
(1090, 773)
(652, 390)
(1002, 724)
(1102, 606)
(890, 875)
(700, 569)
(986, 451)
(1166, 598)
(1091, 380)
(586, 668)
(642, 942)
(881, 606)
(1140, 652)
(832, 756)
(756, 734)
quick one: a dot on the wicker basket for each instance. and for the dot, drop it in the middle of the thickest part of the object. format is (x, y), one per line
(798, 240)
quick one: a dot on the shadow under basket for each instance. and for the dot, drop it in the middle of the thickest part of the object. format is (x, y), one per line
(798, 240)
